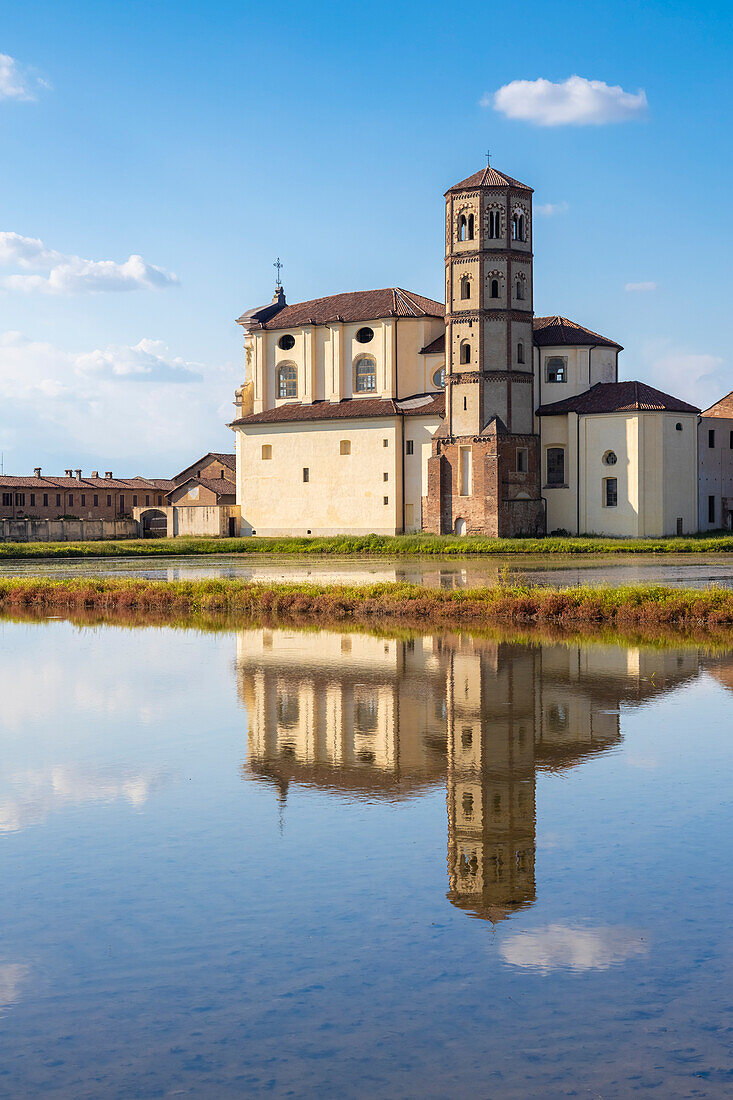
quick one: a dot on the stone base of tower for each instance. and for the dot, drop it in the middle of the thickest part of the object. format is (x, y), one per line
(476, 488)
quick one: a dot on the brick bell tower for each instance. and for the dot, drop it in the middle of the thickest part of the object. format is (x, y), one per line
(484, 472)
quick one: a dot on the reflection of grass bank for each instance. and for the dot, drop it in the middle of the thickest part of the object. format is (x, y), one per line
(389, 546)
(643, 612)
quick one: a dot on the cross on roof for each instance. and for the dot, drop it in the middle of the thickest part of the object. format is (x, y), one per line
(488, 158)
(278, 265)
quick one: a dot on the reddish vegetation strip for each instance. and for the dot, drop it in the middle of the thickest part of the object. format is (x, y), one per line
(651, 610)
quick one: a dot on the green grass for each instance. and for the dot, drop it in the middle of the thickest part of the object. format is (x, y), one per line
(386, 545)
(652, 612)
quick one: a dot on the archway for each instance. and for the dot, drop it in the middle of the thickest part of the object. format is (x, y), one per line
(460, 526)
(154, 524)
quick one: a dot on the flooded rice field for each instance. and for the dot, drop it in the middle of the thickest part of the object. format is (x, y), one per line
(289, 863)
(686, 570)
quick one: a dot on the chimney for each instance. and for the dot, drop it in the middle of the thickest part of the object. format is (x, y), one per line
(95, 473)
(108, 473)
(78, 474)
(68, 472)
(37, 471)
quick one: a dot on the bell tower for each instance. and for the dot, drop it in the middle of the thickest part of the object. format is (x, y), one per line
(483, 476)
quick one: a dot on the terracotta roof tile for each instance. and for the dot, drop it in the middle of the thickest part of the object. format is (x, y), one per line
(30, 481)
(608, 397)
(488, 177)
(358, 305)
(722, 408)
(351, 408)
(561, 332)
(221, 486)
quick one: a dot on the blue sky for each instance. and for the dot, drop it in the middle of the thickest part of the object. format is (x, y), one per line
(207, 139)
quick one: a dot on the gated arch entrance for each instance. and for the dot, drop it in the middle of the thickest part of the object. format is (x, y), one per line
(154, 524)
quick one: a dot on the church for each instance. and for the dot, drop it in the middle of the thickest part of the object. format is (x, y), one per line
(384, 411)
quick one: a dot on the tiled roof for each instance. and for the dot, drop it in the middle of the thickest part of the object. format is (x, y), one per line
(220, 486)
(351, 408)
(30, 481)
(608, 397)
(358, 305)
(488, 177)
(548, 332)
(561, 332)
(722, 408)
(230, 461)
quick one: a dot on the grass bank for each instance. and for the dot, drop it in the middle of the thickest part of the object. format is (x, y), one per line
(648, 612)
(386, 545)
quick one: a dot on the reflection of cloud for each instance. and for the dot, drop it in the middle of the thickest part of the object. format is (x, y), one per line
(40, 793)
(11, 977)
(564, 947)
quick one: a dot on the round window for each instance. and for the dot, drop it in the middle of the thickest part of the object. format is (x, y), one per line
(439, 378)
(286, 342)
(610, 458)
(364, 335)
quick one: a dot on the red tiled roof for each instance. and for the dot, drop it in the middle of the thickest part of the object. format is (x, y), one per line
(560, 332)
(608, 397)
(351, 408)
(488, 177)
(722, 408)
(30, 481)
(358, 305)
(220, 486)
(436, 346)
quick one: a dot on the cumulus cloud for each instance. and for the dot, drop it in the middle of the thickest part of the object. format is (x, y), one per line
(549, 209)
(83, 402)
(697, 377)
(573, 102)
(17, 81)
(641, 287)
(566, 947)
(68, 274)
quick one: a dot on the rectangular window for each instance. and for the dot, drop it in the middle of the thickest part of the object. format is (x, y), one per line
(556, 369)
(71, 500)
(20, 498)
(160, 500)
(8, 500)
(266, 451)
(555, 465)
(147, 501)
(731, 441)
(386, 500)
(109, 501)
(711, 438)
(33, 499)
(522, 460)
(385, 443)
(711, 509)
(58, 500)
(96, 500)
(410, 446)
(385, 476)
(83, 499)
(610, 492)
(45, 500)
(464, 455)
(306, 474)
(345, 447)
(122, 502)
(134, 500)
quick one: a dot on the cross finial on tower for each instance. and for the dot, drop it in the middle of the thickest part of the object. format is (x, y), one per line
(278, 265)
(488, 158)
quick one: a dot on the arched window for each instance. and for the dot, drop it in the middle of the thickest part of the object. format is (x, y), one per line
(462, 227)
(287, 380)
(518, 226)
(494, 224)
(520, 352)
(494, 288)
(365, 375)
(520, 290)
(470, 227)
(465, 288)
(465, 352)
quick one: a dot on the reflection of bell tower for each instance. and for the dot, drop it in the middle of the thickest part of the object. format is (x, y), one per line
(491, 780)
(483, 476)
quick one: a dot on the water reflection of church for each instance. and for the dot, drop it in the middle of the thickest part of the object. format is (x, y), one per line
(375, 717)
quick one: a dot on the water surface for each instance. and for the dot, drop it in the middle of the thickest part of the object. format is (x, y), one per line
(286, 864)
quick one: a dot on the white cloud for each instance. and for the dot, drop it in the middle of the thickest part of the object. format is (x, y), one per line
(17, 81)
(642, 287)
(69, 274)
(574, 102)
(566, 947)
(56, 403)
(548, 209)
(697, 377)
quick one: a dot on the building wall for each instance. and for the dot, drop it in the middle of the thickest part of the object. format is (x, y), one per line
(41, 530)
(75, 499)
(344, 493)
(715, 472)
(581, 374)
